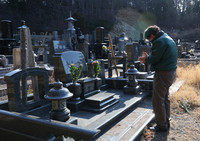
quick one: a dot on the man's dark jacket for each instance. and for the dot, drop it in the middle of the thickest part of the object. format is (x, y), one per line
(164, 53)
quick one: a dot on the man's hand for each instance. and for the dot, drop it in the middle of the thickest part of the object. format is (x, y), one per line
(142, 58)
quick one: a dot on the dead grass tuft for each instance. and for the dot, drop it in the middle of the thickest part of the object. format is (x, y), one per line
(197, 112)
(188, 96)
(189, 73)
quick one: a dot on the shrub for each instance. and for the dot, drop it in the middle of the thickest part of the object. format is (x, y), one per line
(75, 72)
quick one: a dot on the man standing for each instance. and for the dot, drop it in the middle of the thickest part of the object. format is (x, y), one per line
(163, 60)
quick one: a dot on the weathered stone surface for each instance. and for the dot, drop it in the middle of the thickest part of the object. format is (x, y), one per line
(88, 86)
(60, 46)
(13, 87)
(62, 64)
(16, 58)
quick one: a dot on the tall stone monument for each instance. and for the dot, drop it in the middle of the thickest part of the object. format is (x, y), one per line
(70, 33)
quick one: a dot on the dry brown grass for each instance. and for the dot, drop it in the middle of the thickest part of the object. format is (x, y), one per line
(188, 96)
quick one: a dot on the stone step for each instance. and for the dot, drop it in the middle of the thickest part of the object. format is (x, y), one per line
(109, 116)
(113, 114)
(131, 126)
(99, 98)
(99, 102)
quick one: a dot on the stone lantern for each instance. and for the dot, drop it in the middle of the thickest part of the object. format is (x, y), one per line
(71, 31)
(59, 95)
(132, 86)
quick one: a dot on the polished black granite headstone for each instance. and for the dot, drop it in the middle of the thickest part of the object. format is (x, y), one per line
(62, 64)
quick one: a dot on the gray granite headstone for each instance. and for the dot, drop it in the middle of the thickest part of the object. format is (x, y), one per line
(136, 51)
(129, 50)
(60, 46)
(62, 64)
(16, 58)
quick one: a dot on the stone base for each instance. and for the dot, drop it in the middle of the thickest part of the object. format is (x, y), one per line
(142, 75)
(90, 86)
(104, 87)
(90, 93)
(74, 106)
(62, 115)
(131, 90)
(74, 88)
(99, 102)
(116, 82)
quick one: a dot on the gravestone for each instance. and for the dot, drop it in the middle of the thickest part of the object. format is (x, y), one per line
(136, 51)
(16, 58)
(122, 43)
(133, 51)
(97, 43)
(99, 34)
(55, 35)
(179, 47)
(60, 46)
(6, 40)
(129, 51)
(57, 47)
(83, 47)
(7, 30)
(62, 64)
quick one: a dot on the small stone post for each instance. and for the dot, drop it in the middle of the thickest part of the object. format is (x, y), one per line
(24, 61)
(124, 63)
(16, 58)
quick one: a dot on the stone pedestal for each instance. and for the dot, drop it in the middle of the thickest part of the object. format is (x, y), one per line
(59, 111)
(131, 90)
(98, 84)
(75, 88)
(75, 103)
(90, 86)
(132, 86)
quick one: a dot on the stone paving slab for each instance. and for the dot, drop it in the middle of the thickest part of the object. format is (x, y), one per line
(130, 126)
(102, 120)
(110, 116)
(100, 97)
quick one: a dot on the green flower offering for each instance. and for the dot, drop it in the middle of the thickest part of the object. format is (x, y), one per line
(96, 68)
(75, 72)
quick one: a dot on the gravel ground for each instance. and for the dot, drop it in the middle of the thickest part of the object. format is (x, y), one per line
(184, 127)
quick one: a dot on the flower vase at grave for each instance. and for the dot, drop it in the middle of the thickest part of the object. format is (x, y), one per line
(98, 83)
(75, 88)
(96, 68)
(74, 81)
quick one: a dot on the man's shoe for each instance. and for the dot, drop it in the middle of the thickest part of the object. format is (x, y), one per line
(158, 129)
(168, 124)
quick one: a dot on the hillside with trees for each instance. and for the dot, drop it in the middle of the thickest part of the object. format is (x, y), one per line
(50, 15)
